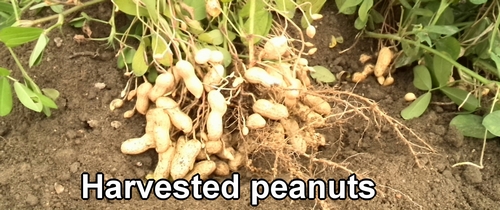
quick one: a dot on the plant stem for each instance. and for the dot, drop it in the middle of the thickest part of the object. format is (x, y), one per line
(250, 31)
(224, 23)
(23, 71)
(433, 51)
(12, 78)
(14, 6)
(59, 23)
(67, 12)
(486, 66)
(494, 34)
(442, 6)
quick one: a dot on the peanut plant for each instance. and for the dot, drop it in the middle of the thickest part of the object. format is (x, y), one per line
(453, 48)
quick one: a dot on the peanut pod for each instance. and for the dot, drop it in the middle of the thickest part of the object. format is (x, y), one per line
(184, 158)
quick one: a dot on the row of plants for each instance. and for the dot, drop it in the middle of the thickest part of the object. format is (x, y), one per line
(453, 48)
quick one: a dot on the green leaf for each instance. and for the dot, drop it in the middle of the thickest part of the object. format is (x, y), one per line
(495, 56)
(57, 8)
(417, 107)
(422, 78)
(410, 55)
(447, 17)
(46, 111)
(245, 10)
(314, 6)
(7, 22)
(323, 75)
(151, 76)
(37, 52)
(78, 22)
(165, 9)
(139, 64)
(444, 30)
(404, 60)
(359, 24)
(160, 49)
(476, 29)
(422, 12)
(46, 101)
(25, 95)
(126, 57)
(15, 36)
(410, 50)
(376, 16)
(51, 93)
(129, 54)
(405, 4)
(364, 10)
(470, 125)
(4, 72)
(458, 96)
(6, 7)
(492, 123)
(442, 70)
(478, 1)
(130, 8)
(199, 8)
(151, 8)
(449, 45)
(346, 6)
(120, 63)
(5, 97)
(262, 21)
(214, 37)
(286, 7)
(424, 37)
(38, 6)
(495, 106)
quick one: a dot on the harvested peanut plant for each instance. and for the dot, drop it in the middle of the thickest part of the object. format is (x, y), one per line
(219, 81)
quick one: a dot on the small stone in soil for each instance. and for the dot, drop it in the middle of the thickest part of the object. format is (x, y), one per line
(59, 188)
(116, 124)
(93, 123)
(100, 85)
(58, 41)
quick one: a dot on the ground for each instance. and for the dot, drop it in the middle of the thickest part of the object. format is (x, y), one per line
(39, 153)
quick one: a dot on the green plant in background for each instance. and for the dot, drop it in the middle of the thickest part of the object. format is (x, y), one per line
(30, 95)
(14, 32)
(436, 34)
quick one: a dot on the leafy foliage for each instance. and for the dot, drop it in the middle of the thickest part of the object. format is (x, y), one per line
(13, 33)
(436, 34)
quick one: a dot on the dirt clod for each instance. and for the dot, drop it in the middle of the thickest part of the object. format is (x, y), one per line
(454, 137)
(73, 168)
(32, 200)
(472, 175)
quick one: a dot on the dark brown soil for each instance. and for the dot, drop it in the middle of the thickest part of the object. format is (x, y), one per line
(38, 152)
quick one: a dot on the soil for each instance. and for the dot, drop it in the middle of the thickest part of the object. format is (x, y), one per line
(38, 153)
